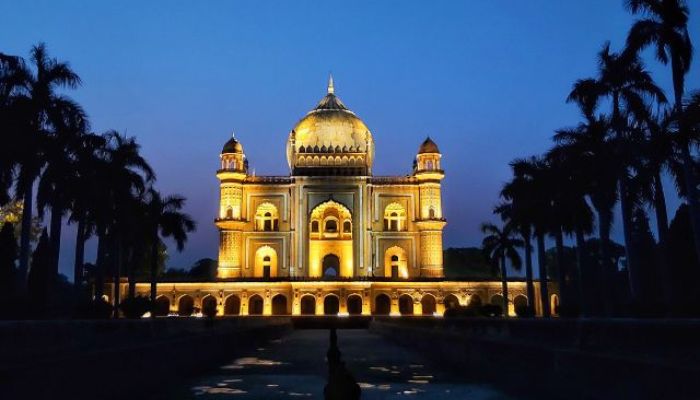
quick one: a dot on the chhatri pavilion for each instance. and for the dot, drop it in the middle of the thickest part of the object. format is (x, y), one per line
(331, 237)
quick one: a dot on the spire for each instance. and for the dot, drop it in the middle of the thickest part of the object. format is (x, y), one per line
(331, 89)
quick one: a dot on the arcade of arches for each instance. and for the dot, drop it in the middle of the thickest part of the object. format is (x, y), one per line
(334, 297)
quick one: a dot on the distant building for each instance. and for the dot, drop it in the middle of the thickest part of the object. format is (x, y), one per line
(330, 238)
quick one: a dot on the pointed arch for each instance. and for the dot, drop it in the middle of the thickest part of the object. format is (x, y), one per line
(265, 262)
(396, 263)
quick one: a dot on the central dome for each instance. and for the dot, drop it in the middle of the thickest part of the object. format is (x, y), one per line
(330, 135)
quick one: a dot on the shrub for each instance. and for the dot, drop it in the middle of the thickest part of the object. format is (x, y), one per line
(568, 311)
(461, 311)
(135, 307)
(94, 309)
(491, 310)
(209, 309)
(524, 311)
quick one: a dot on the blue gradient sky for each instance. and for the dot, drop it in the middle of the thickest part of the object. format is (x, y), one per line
(487, 80)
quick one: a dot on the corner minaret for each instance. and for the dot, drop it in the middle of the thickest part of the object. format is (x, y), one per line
(428, 171)
(230, 221)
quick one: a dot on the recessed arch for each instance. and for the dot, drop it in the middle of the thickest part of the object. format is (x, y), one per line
(519, 301)
(331, 304)
(497, 300)
(265, 262)
(209, 302)
(396, 263)
(308, 304)
(266, 217)
(394, 217)
(405, 304)
(162, 306)
(475, 300)
(451, 301)
(255, 305)
(185, 306)
(279, 305)
(232, 305)
(354, 304)
(330, 266)
(428, 304)
(382, 304)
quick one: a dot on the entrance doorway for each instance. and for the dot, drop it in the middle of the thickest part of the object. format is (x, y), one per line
(330, 266)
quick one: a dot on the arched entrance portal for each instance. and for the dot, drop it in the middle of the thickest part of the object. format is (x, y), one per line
(330, 251)
(331, 266)
(331, 305)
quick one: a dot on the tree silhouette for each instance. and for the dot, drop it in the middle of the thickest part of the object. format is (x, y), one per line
(500, 245)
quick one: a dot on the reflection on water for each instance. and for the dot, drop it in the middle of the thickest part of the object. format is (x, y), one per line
(200, 390)
(294, 367)
(248, 361)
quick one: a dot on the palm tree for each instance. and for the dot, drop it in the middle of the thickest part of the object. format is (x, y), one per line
(573, 217)
(665, 26)
(519, 209)
(89, 155)
(500, 245)
(38, 101)
(123, 179)
(57, 181)
(13, 77)
(623, 79)
(128, 175)
(164, 219)
(588, 150)
(532, 190)
(654, 141)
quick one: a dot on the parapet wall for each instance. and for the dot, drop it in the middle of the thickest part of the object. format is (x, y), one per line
(108, 359)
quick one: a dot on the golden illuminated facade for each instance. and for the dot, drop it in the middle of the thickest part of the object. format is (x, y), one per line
(331, 217)
(330, 237)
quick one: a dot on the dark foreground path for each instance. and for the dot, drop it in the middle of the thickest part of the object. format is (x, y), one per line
(294, 366)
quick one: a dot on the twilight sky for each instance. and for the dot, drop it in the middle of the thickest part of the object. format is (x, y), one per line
(486, 80)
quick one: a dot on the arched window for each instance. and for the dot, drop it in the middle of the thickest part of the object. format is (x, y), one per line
(267, 218)
(229, 212)
(347, 227)
(429, 165)
(314, 226)
(330, 215)
(431, 213)
(394, 217)
(331, 226)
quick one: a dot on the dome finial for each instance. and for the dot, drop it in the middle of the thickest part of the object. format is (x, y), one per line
(331, 89)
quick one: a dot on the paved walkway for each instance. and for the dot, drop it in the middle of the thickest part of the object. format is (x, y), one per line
(295, 367)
